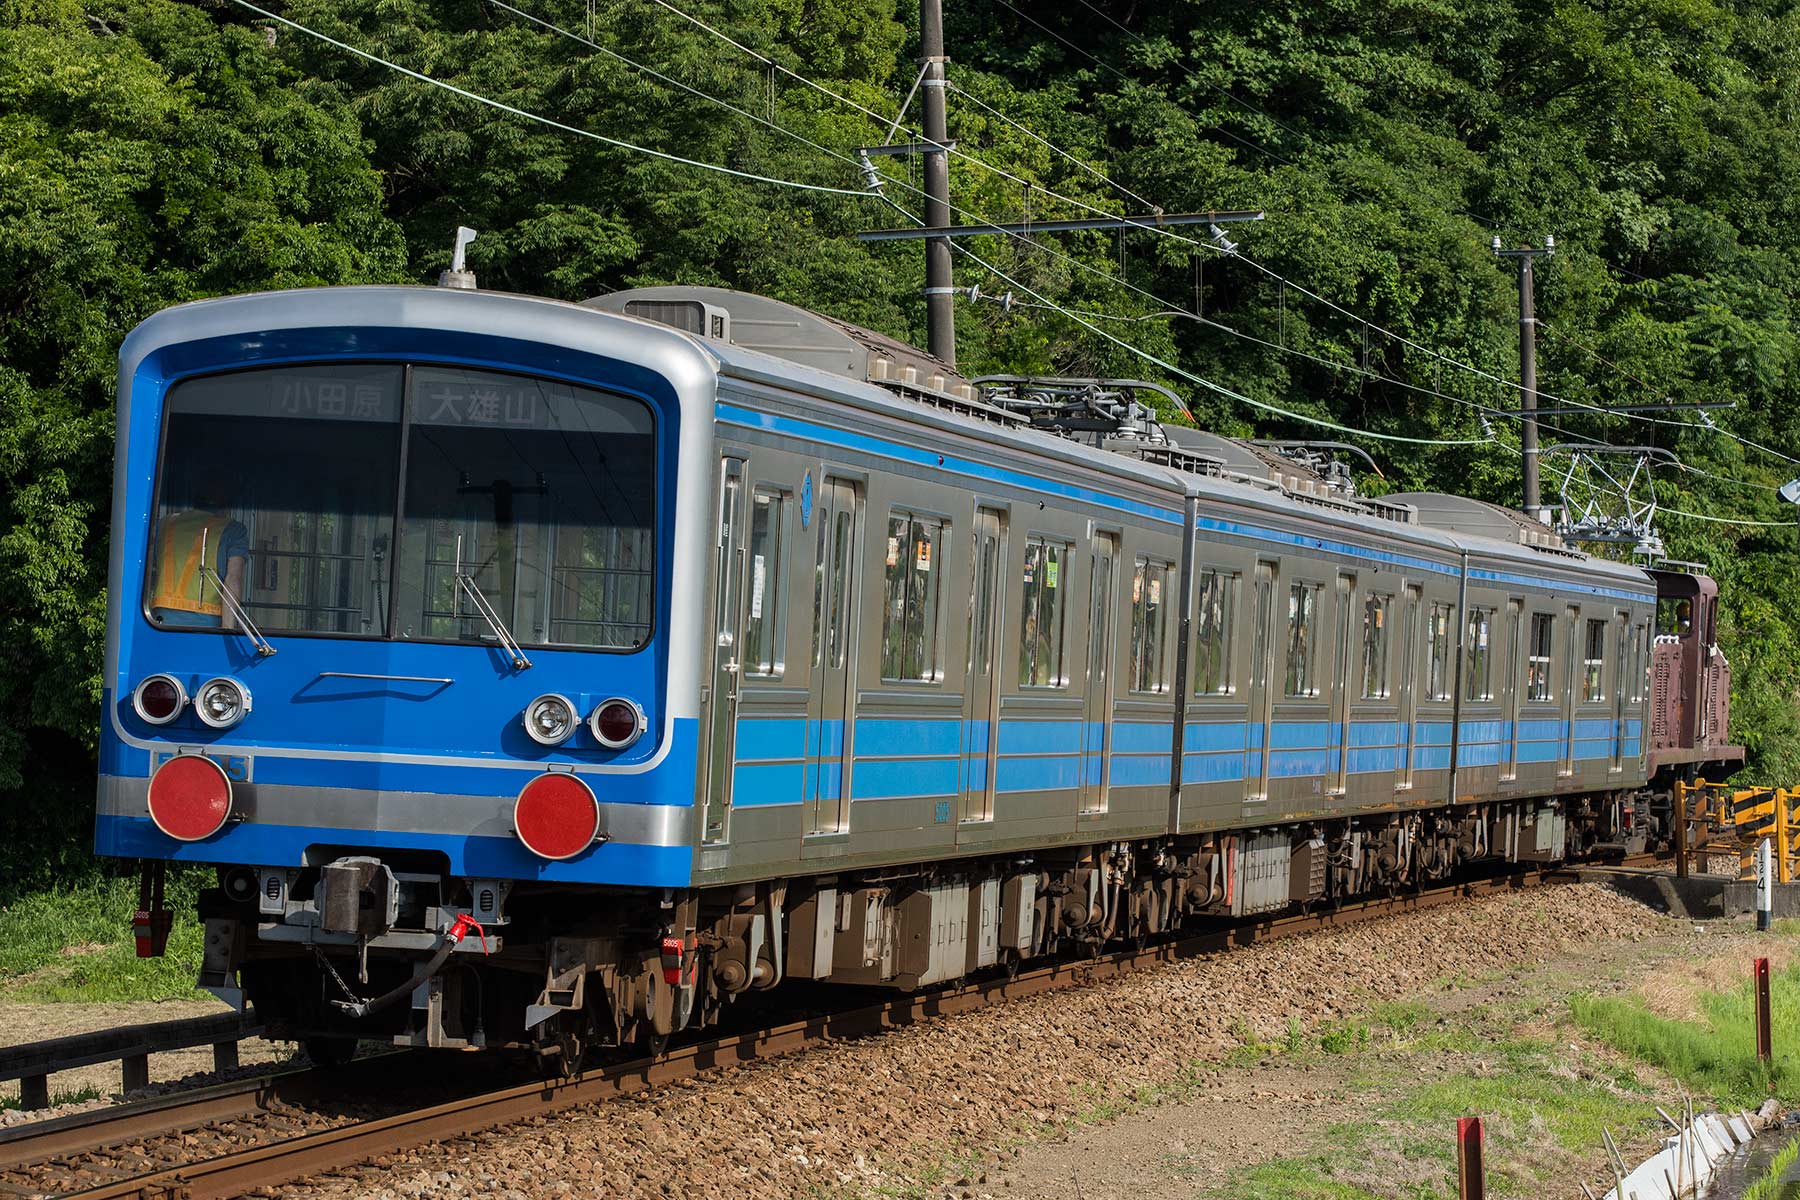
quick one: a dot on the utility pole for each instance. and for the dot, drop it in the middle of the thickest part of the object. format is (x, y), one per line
(937, 231)
(940, 291)
(1528, 426)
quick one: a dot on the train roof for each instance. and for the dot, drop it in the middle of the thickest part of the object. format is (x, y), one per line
(743, 331)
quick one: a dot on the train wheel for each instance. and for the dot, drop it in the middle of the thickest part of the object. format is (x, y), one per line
(330, 1052)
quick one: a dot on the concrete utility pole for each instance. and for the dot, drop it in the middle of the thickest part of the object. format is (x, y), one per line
(940, 293)
(1528, 426)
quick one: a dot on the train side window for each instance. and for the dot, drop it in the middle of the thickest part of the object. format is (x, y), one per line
(765, 613)
(1041, 614)
(909, 627)
(1543, 642)
(1640, 674)
(1674, 616)
(1303, 640)
(1593, 663)
(1149, 626)
(1437, 663)
(1481, 655)
(1376, 609)
(1212, 647)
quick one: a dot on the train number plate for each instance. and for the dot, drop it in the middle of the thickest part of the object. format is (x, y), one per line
(236, 766)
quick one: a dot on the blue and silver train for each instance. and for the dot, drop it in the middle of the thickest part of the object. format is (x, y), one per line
(548, 674)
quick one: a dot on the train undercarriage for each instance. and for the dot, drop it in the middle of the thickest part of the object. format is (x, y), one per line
(393, 950)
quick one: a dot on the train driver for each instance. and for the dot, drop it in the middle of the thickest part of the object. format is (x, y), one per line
(183, 595)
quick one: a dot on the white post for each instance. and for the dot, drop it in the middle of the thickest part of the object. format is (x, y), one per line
(1765, 884)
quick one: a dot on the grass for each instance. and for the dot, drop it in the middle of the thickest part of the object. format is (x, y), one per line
(72, 1096)
(76, 945)
(1528, 1091)
(1294, 1179)
(1715, 1055)
(1770, 1185)
(1544, 1104)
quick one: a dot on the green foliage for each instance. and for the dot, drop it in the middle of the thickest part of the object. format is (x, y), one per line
(1770, 1185)
(1293, 1179)
(75, 944)
(153, 152)
(1716, 1054)
(148, 156)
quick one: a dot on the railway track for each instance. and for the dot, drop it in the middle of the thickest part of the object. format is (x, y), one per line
(233, 1138)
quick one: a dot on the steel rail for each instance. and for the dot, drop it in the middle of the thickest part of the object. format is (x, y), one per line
(275, 1163)
(24, 1146)
(38, 1145)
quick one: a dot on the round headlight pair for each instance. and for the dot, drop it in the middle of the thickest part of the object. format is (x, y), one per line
(616, 723)
(221, 702)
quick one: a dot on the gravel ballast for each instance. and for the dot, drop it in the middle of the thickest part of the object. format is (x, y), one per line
(888, 1112)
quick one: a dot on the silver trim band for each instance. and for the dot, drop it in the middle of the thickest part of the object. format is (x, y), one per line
(404, 812)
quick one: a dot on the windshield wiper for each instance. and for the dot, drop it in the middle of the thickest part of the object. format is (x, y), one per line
(466, 583)
(246, 626)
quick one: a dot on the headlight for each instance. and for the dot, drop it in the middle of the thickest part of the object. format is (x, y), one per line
(550, 720)
(617, 723)
(159, 699)
(222, 702)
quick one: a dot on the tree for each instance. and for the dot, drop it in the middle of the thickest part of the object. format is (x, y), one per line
(148, 156)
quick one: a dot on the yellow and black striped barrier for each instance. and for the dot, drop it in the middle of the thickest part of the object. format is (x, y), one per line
(1731, 821)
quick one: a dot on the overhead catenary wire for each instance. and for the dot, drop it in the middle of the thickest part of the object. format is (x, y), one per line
(1126, 222)
(882, 120)
(1365, 322)
(1556, 333)
(778, 181)
(677, 83)
(1674, 463)
(846, 158)
(1102, 176)
(551, 122)
(1478, 218)
(1202, 381)
(527, 115)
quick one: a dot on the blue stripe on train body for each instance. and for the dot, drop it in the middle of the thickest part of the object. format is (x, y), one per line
(1047, 755)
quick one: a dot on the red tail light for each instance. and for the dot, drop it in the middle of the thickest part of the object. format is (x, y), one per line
(159, 699)
(556, 816)
(190, 797)
(617, 723)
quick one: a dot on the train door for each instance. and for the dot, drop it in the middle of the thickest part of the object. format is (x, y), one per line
(1262, 654)
(728, 574)
(1620, 686)
(1409, 691)
(1340, 716)
(1097, 698)
(838, 520)
(1571, 662)
(981, 712)
(1509, 694)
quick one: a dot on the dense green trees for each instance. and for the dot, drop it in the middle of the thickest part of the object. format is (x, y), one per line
(148, 155)
(152, 153)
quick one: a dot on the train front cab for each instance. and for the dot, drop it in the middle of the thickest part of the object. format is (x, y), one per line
(389, 640)
(1690, 684)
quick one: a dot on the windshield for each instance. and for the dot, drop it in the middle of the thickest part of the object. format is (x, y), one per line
(281, 485)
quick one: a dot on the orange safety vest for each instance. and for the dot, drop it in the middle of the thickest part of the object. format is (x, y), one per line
(190, 535)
